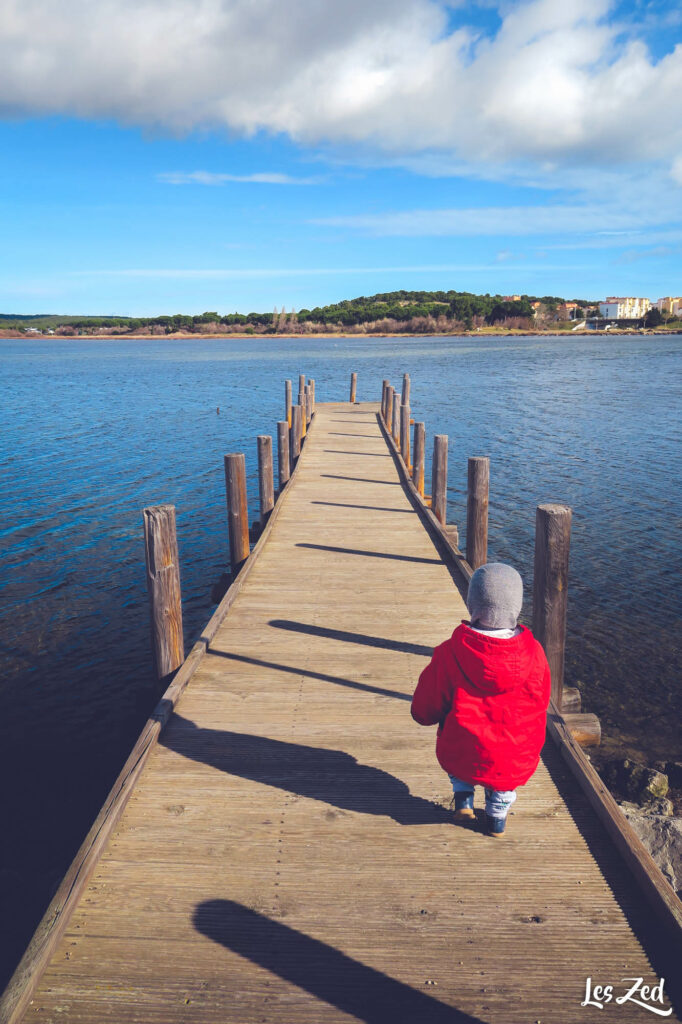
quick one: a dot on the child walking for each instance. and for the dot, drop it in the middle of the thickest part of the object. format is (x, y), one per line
(488, 689)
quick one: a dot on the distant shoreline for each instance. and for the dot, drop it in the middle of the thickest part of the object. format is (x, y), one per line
(185, 336)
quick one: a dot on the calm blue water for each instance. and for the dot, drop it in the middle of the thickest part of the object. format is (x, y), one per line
(93, 431)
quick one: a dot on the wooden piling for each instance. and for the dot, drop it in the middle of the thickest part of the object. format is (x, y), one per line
(550, 584)
(478, 477)
(395, 426)
(301, 383)
(311, 384)
(388, 419)
(439, 478)
(308, 405)
(418, 457)
(353, 386)
(163, 587)
(283, 461)
(405, 434)
(301, 405)
(287, 401)
(384, 396)
(295, 435)
(237, 509)
(266, 483)
(406, 389)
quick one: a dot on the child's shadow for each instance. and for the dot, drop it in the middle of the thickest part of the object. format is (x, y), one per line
(330, 776)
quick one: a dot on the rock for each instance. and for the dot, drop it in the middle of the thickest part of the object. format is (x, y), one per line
(662, 806)
(636, 781)
(662, 837)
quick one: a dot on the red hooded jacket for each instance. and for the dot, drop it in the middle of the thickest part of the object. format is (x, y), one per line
(490, 698)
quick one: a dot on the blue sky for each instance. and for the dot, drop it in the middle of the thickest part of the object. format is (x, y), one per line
(215, 155)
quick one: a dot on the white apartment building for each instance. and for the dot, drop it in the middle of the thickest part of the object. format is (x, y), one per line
(624, 308)
(670, 304)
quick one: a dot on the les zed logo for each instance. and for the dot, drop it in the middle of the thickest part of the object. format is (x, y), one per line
(641, 994)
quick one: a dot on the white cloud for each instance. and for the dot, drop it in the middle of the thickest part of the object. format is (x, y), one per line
(511, 221)
(556, 85)
(209, 178)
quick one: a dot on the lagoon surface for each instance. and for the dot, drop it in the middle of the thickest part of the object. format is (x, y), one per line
(92, 431)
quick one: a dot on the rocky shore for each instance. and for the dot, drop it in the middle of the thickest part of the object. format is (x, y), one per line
(651, 800)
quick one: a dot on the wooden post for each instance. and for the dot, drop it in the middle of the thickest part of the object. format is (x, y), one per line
(295, 434)
(396, 420)
(405, 434)
(478, 479)
(163, 587)
(388, 418)
(550, 584)
(353, 386)
(287, 401)
(439, 478)
(311, 384)
(266, 483)
(237, 509)
(308, 409)
(301, 383)
(418, 456)
(283, 453)
(384, 398)
(406, 389)
(301, 404)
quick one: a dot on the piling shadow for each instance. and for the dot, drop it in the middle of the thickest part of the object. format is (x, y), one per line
(370, 554)
(324, 677)
(344, 433)
(352, 638)
(326, 973)
(368, 508)
(371, 455)
(318, 773)
(360, 479)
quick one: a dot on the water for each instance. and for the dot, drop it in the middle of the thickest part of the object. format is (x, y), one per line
(94, 431)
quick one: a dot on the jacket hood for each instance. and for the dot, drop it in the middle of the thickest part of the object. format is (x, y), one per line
(492, 665)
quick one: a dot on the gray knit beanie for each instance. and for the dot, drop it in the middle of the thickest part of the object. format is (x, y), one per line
(495, 596)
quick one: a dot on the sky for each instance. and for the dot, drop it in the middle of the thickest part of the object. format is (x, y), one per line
(166, 156)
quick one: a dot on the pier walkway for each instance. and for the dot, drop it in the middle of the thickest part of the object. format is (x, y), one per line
(286, 855)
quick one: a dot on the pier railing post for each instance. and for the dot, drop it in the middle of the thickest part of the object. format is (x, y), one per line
(439, 478)
(388, 418)
(418, 457)
(311, 384)
(395, 427)
(284, 472)
(295, 435)
(405, 434)
(406, 389)
(302, 407)
(266, 483)
(287, 401)
(550, 585)
(237, 508)
(384, 393)
(308, 405)
(478, 479)
(353, 386)
(163, 587)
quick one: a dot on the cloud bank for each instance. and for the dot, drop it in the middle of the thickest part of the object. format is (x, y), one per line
(559, 82)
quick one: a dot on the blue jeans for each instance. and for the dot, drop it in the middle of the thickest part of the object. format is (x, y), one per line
(497, 801)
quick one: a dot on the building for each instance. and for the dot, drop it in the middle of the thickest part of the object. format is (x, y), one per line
(624, 308)
(669, 304)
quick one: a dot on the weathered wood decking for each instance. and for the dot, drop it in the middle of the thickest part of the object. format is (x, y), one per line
(285, 855)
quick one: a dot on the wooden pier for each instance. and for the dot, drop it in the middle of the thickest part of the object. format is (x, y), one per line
(278, 848)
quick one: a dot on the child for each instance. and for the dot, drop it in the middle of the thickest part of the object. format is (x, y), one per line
(488, 688)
